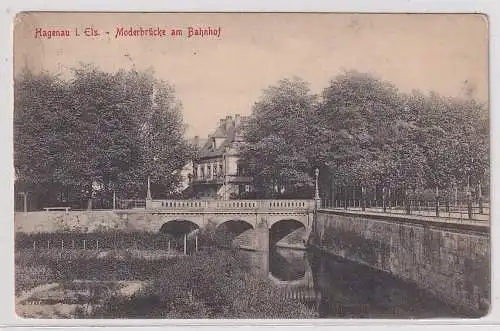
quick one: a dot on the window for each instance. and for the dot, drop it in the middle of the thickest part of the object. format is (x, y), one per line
(240, 169)
(208, 170)
(221, 170)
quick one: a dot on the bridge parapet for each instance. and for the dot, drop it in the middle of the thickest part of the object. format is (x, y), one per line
(200, 205)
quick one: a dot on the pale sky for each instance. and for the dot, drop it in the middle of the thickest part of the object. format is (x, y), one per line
(215, 77)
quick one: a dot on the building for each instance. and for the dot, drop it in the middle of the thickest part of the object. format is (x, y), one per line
(218, 173)
(185, 173)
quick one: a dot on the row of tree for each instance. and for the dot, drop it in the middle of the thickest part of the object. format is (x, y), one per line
(83, 138)
(79, 140)
(364, 132)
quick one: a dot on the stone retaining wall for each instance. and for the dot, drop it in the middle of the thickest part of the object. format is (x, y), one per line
(450, 261)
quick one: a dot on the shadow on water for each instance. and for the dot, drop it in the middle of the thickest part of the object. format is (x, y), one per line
(287, 264)
(337, 288)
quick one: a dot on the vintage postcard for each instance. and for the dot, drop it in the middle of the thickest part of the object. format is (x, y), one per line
(251, 166)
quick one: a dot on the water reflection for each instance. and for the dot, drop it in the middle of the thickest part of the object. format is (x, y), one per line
(337, 288)
(288, 264)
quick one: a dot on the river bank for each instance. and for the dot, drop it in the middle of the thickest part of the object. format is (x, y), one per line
(57, 283)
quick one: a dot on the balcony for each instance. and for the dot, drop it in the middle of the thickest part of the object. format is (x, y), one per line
(209, 180)
(220, 180)
(239, 179)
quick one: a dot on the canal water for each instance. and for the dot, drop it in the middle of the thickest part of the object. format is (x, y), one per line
(337, 288)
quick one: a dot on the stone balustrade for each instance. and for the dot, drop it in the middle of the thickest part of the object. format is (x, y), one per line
(230, 204)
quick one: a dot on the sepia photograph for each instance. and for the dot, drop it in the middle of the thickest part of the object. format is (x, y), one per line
(251, 165)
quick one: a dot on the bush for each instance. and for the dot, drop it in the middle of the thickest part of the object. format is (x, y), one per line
(37, 268)
(109, 239)
(206, 285)
(209, 284)
(30, 276)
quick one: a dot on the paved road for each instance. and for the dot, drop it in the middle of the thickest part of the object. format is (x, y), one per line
(445, 217)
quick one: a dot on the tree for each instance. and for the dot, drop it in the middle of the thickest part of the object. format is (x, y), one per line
(454, 137)
(42, 124)
(165, 149)
(357, 116)
(364, 133)
(93, 134)
(278, 139)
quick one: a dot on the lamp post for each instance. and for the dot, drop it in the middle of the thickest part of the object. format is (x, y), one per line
(25, 201)
(469, 199)
(316, 193)
(149, 197)
(190, 185)
(149, 188)
(225, 184)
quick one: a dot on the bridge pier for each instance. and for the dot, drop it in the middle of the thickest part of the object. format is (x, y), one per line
(262, 236)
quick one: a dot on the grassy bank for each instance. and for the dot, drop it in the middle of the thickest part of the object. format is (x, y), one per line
(46, 266)
(209, 284)
(205, 285)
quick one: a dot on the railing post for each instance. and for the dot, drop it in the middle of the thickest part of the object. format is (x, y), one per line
(480, 192)
(185, 244)
(384, 208)
(469, 204)
(437, 202)
(363, 197)
(25, 203)
(407, 203)
(389, 198)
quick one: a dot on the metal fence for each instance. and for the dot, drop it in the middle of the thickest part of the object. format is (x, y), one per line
(438, 208)
(96, 244)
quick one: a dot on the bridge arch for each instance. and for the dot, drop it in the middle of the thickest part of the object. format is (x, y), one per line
(178, 227)
(287, 227)
(229, 230)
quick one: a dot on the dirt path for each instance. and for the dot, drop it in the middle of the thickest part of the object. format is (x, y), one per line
(27, 307)
(28, 294)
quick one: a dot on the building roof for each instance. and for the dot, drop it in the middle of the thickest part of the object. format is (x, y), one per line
(225, 135)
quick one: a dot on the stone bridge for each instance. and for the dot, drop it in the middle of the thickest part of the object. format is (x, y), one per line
(253, 223)
(252, 212)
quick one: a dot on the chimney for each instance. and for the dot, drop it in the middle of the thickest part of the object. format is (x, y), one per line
(229, 122)
(237, 120)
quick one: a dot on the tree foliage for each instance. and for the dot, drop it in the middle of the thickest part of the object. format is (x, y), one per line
(101, 130)
(364, 132)
(278, 138)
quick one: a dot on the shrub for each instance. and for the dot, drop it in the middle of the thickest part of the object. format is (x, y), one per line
(206, 285)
